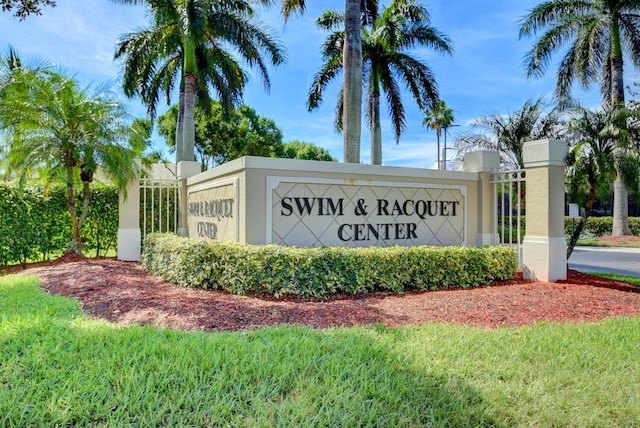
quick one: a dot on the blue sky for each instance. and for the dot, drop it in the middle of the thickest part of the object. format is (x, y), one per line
(483, 76)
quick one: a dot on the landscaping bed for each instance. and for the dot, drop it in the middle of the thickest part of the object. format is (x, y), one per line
(124, 293)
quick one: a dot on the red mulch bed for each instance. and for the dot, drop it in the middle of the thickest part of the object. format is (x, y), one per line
(124, 293)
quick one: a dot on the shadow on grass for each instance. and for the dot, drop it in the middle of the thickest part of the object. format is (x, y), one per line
(59, 368)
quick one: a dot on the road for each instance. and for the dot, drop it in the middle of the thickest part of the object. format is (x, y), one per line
(623, 261)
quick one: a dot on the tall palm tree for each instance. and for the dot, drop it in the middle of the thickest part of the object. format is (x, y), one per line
(188, 40)
(352, 65)
(507, 134)
(385, 41)
(437, 117)
(598, 32)
(64, 132)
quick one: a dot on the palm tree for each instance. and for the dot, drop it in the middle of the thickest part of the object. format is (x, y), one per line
(61, 131)
(437, 117)
(507, 134)
(10, 64)
(590, 163)
(401, 26)
(352, 65)
(188, 40)
(597, 32)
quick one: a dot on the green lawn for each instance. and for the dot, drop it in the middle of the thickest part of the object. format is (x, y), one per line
(57, 367)
(593, 242)
(625, 278)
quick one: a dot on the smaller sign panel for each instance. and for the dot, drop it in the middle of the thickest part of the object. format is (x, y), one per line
(213, 211)
(574, 211)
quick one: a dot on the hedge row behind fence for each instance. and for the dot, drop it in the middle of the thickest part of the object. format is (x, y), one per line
(35, 224)
(596, 226)
(321, 271)
(600, 226)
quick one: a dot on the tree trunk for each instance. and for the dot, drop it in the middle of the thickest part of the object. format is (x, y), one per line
(352, 66)
(376, 129)
(587, 210)
(620, 194)
(439, 164)
(620, 202)
(189, 130)
(180, 124)
(75, 246)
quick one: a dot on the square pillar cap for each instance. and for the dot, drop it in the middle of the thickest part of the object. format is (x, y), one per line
(481, 161)
(543, 153)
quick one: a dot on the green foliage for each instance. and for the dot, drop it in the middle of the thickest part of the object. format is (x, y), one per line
(600, 226)
(17, 226)
(300, 150)
(35, 222)
(100, 229)
(24, 8)
(322, 271)
(222, 136)
(508, 228)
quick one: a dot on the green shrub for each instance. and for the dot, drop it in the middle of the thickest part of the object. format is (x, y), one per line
(18, 226)
(322, 271)
(35, 222)
(600, 226)
(509, 233)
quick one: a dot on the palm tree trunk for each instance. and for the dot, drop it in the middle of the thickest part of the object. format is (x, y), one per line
(376, 127)
(587, 210)
(75, 246)
(188, 132)
(180, 124)
(620, 194)
(352, 66)
(189, 129)
(439, 164)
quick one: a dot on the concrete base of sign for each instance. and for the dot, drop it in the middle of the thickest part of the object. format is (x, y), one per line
(544, 258)
(129, 244)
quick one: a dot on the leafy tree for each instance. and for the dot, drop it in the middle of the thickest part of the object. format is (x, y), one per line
(62, 132)
(25, 8)
(400, 27)
(223, 136)
(507, 134)
(300, 150)
(437, 117)
(599, 33)
(188, 40)
(591, 164)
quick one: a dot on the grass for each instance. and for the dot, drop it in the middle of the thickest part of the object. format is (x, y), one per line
(624, 278)
(593, 242)
(59, 368)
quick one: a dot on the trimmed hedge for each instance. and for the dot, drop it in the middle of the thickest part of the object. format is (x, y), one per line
(322, 271)
(601, 226)
(35, 222)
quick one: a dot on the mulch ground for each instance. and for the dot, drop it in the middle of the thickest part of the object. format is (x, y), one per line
(124, 293)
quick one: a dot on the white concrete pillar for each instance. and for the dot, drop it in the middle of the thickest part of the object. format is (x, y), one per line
(484, 162)
(544, 251)
(129, 237)
(185, 170)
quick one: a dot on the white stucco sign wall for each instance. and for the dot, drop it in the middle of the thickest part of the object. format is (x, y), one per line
(319, 212)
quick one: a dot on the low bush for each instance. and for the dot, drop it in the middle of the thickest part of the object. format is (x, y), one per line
(600, 226)
(322, 271)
